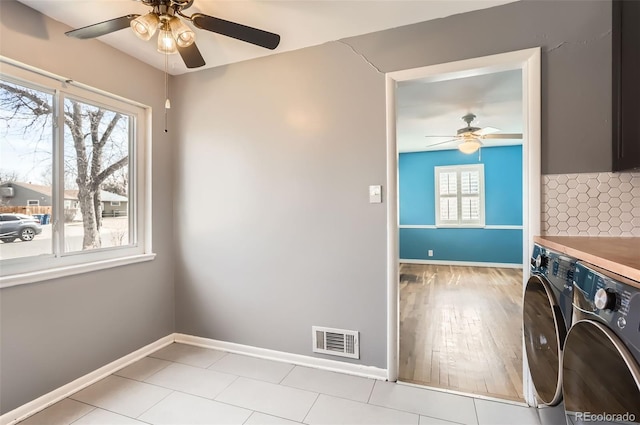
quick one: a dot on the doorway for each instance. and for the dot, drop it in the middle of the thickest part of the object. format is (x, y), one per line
(528, 62)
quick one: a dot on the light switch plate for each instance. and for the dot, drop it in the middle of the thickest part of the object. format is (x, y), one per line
(375, 194)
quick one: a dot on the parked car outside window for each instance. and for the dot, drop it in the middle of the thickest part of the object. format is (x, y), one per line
(13, 226)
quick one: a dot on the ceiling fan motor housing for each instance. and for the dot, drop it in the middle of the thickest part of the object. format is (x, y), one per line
(467, 130)
(175, 5)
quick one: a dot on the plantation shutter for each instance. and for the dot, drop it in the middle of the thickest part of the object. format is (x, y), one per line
(448, 197)
(470, 196)
(459, 195)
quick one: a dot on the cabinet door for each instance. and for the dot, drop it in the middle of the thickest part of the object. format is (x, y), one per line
(626, 85)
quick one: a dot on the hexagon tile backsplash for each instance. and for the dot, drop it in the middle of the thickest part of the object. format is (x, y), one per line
(594, 204)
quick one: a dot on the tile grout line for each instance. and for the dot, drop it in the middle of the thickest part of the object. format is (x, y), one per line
(310, 408)
(143, 380)
(75, 420)
(418, 413)
(248, 417)
(104, 408)
(268, 413)
(475, 410)
(371, 392)
(154, 405)
(217, 360)
(287, 375)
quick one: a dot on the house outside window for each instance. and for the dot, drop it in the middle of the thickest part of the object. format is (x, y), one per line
(459, 195)
(77, 145)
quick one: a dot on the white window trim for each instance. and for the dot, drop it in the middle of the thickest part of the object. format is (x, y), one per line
(480, 223)
(29, 202)
(44, 267)
(115, 203)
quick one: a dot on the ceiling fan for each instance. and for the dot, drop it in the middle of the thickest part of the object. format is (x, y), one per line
(174, 36)
(470, 137)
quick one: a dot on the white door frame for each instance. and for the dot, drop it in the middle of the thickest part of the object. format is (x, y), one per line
(529, 62)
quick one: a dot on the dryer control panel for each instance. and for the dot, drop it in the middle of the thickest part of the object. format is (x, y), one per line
(610, 299)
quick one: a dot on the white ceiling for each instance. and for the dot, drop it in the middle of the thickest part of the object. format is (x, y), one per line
(300, 23)
(436, 109)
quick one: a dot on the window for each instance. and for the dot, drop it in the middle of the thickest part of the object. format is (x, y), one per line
(79, 147)
(459, 196)
(115, 203)
(33, 203)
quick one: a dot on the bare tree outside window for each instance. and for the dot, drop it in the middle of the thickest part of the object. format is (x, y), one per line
(96, 143)
(96, 147)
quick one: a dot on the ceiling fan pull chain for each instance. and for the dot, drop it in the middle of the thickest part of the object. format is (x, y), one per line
(167, 102)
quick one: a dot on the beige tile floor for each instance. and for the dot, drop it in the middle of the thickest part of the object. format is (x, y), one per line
(183, 384)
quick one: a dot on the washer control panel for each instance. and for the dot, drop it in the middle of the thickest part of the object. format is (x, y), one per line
(556, 267)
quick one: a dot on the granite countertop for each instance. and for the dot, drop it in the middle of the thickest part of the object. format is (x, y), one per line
(618, 255)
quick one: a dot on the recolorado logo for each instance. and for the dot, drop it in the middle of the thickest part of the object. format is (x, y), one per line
(608, 417)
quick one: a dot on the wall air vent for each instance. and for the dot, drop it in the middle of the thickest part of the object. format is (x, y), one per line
(336, 342)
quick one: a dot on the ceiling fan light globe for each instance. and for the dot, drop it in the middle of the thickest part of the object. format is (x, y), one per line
(145, 26)
(183, 35)
(469, 146)
(166, 42)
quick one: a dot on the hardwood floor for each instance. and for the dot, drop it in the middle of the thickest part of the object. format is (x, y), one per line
(461, 329)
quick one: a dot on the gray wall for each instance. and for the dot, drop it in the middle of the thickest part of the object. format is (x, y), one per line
(276, 232)
(575, 37)
(55, 331)
(275, 156)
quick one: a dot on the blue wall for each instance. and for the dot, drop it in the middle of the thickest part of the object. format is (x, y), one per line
(503, 206)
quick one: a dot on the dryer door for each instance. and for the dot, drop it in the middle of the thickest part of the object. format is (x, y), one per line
(600, 375)
(544, 334)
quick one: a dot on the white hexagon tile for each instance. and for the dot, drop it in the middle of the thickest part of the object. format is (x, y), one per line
(594, 204)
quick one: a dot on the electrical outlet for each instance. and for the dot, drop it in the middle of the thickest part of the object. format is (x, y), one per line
(431, 253)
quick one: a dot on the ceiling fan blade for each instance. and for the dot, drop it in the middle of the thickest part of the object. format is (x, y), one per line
(102, 28)
(441, 143)
(191, 56)
(486, 130)
(503, 136)
(251, 35)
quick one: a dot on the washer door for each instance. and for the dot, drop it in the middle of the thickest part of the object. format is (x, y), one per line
(601, 377)
(544, 333)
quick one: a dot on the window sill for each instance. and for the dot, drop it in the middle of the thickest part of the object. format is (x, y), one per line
(460, 226)
(40, 275)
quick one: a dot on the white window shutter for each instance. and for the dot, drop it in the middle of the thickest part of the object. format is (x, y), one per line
(460, 195)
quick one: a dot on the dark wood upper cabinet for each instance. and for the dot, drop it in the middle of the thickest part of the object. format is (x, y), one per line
(626, 84)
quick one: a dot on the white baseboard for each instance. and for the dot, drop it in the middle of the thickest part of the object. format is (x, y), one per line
(32, 407)
(280, 356)
(462, 263)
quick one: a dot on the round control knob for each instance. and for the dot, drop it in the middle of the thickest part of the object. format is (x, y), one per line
(604, 300)
(622, 322)
(540, 261)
